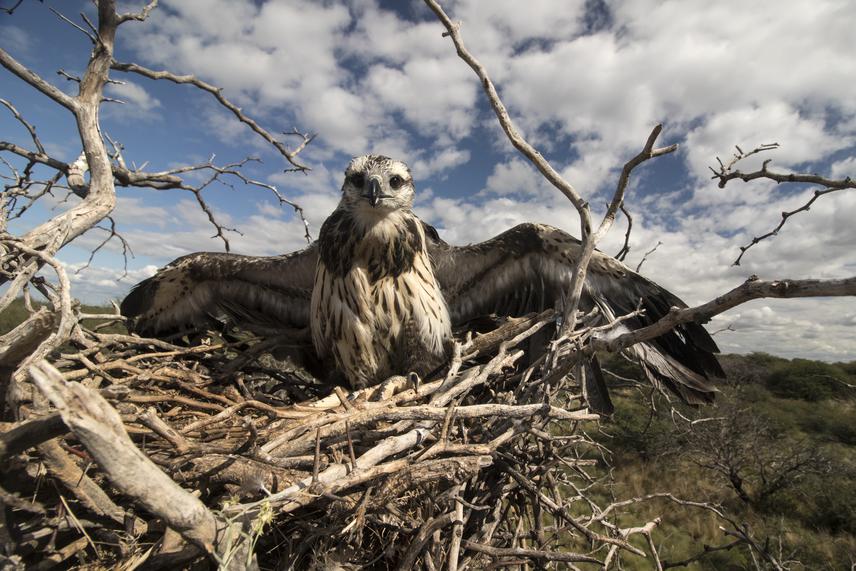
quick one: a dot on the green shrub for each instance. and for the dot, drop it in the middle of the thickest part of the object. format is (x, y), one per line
(808, 380)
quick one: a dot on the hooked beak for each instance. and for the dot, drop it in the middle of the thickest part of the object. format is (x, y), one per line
(374, 194)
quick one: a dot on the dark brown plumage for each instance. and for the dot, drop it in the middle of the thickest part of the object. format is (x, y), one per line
(524, 269)
(376, 307)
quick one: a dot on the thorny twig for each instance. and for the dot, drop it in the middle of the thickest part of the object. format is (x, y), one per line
(726, 173)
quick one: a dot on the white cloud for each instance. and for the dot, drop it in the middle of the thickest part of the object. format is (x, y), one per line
(132, 103)
(438, 162)
(97, 284)
(716, 73)
(134, 94)
(16, 40)
(844, 168)
(517, 177)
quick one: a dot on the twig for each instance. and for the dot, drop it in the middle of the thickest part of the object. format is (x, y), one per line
(648, 253)
(290, 156)
(752, 288)
(726, 173)
(625, 248)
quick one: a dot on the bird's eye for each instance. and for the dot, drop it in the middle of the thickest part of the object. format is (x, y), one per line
(395, 182)
(357, 180)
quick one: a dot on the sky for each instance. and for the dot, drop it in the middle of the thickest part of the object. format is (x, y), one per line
(585, 81)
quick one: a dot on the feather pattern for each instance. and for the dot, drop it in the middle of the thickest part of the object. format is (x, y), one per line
(381, 291)
(376, 307)
(204, 289)
(529, 267)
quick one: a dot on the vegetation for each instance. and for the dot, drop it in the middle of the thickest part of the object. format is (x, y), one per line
(777, 451)
(17, 312)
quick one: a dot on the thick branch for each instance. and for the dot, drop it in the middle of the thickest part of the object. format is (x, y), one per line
(34, 79)
(98, 426)
(141, 15)
(749, 290)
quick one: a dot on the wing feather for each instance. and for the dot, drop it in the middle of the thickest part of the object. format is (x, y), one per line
(262, 294)
(525, 269)
(529, 267)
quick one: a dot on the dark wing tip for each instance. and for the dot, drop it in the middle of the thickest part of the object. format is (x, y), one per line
(432, 234)
(140, 298)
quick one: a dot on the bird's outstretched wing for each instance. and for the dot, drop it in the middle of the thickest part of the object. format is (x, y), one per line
(262, 294)
(529, 267)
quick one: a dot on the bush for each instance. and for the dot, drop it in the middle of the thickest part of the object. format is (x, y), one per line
(808, 380)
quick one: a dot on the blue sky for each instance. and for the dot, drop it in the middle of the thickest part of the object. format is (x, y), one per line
(585, 80)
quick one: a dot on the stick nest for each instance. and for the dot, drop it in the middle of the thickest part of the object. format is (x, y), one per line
(483, 464)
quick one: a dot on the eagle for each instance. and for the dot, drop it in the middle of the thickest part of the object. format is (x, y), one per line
(381, 292)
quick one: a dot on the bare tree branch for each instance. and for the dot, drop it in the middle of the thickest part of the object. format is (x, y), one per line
(30, 129)
(289, 155)
(648, 253)
(93, 35)
(111, 233)
(726, 173)
(589, 238)
(36, 81)
(99, 427)
(753, 288)
(625, 248)
(14, 7)
(140, 16)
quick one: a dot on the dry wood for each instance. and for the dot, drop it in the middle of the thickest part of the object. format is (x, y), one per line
(99, 427)
(483, 464)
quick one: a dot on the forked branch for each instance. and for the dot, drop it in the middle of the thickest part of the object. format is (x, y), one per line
(726, 173)
(217, 92)
(589, 240)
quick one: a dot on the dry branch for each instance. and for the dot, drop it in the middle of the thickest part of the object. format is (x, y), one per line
(289, 155)
(726, 173)
(100, 429)
(753, 288)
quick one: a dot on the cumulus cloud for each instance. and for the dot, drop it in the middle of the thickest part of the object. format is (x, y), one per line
(16, 40)
(585, 81)
(130, 101)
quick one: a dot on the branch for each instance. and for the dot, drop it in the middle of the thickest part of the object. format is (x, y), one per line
(93, 36)
(217, 92)
(99, 428)
(27, 126)
(625, 248)
(538, 555)
(36, 81)
(785, 215)
(648, 253)
(648, 152)
(140, 16)
(589, 241)
(753, 288)
(30, 433)
(14, 7)
(111, 233)
(726, 173)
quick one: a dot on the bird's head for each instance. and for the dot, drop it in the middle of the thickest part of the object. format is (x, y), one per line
(378, 185)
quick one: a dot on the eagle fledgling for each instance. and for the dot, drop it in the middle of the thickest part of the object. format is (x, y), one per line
(376, 306)
(380, 291)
